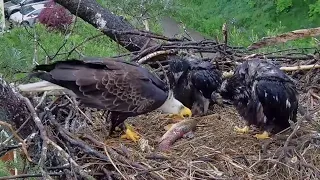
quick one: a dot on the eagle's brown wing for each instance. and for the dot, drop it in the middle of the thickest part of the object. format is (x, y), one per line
(112, 85)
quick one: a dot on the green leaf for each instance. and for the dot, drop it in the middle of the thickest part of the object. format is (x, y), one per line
(314, 10)
(283, 4)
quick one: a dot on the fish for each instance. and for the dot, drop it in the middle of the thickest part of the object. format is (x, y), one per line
(182, 129)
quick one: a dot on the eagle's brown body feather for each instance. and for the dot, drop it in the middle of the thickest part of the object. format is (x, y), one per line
(124, 89)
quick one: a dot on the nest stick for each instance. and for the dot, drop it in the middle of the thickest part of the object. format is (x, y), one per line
(41, 100)
(297, 126)
(43, 135)
(165, 74)
(77, 142)
(225, 35)
(17, 131)
(155, 54)
(70, 160)
(14, 133)
(284, 68)
(77, 107)
(30, 175)
(301, 67)
(113, 164)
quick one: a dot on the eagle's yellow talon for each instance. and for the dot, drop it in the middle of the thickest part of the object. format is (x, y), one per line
(130, 134)
(264, 135)
(242, 130)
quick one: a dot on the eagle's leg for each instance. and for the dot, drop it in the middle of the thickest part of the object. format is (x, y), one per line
(112, 129)
(130, 133)
(117, 120)
(242, 130)
(264, 135)
(206, 104)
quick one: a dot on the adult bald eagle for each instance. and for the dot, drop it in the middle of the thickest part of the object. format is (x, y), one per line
(124, 89)
(263, 95)
(194, 82)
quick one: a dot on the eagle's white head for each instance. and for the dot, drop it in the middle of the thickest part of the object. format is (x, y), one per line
(173, 106)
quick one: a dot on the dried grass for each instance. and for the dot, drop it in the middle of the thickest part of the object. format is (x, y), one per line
(217, 151)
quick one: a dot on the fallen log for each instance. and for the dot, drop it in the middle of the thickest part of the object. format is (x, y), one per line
(282, 38)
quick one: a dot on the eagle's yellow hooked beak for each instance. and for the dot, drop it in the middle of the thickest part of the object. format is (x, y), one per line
(185, 112)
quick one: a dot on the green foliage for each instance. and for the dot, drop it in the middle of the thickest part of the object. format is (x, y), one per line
(18, 47)
(247, 20)
(314, 10)
(283, 4)
(3, 169)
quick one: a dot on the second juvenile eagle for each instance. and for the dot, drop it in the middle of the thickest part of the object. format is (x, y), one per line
(263, 95)
(124, 89)
(195, 82)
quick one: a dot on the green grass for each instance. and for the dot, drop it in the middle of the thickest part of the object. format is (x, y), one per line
(19, 165)
(248, 20)
(18, 47)
(6, 166)
(3, 169)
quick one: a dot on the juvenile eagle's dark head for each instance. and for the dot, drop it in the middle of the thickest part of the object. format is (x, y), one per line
(234, 89)
(177, 66)
(238, 85)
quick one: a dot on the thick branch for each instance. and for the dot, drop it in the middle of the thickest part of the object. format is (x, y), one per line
(102, 19)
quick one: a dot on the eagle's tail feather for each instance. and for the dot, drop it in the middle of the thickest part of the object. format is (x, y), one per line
(39, 86)
(44, 67)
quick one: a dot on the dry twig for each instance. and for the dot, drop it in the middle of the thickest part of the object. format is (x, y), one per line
(14, 133)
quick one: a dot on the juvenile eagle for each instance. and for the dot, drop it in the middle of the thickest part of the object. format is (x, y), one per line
(194, 82)
(124, 89)
(263, 95)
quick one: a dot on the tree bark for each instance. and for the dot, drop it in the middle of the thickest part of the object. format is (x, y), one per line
(14, 111)
(102, 19)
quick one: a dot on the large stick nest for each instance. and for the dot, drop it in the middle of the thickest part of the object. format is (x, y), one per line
(72, 142)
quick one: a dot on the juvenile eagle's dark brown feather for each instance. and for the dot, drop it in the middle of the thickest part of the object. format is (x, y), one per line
(117, 86)
(194, 82)
(263, 95)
